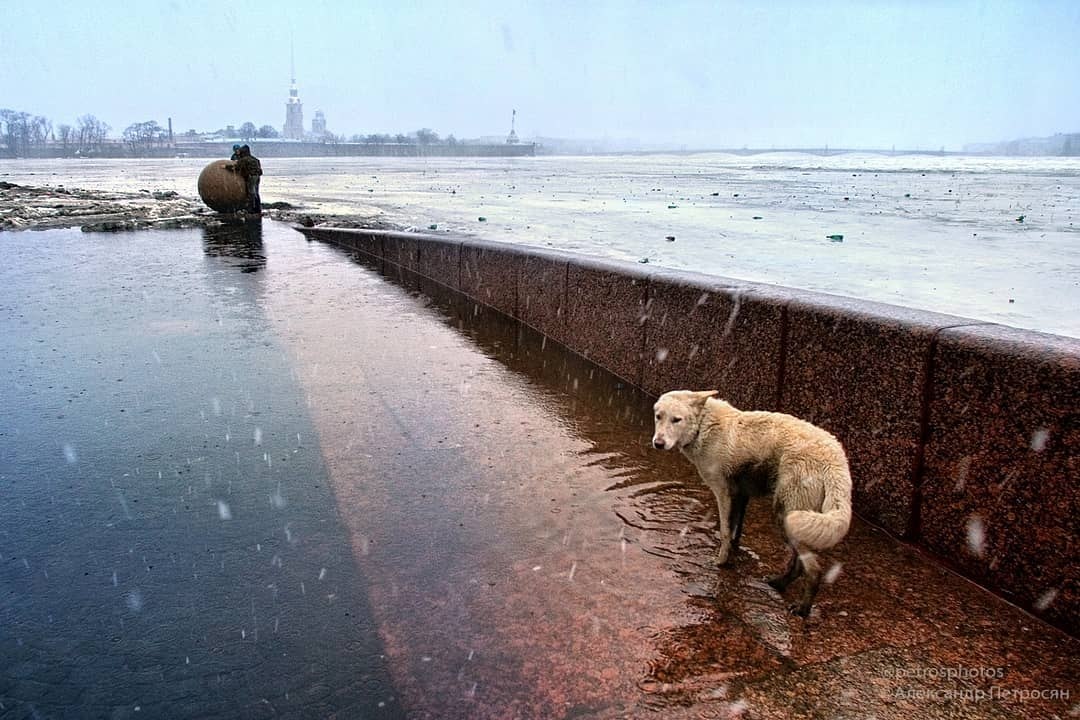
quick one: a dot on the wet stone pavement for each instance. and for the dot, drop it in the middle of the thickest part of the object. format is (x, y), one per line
(245, 475)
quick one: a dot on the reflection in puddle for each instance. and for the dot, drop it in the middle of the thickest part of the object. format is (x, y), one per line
(238, 238)
(553, 565)
(169, 540)
(631, 539)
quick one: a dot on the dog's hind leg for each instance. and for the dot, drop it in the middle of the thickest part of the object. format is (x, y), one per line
(738, 513)
(793, 570)
(812, 568)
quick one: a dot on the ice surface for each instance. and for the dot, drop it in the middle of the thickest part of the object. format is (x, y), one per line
(937, 233)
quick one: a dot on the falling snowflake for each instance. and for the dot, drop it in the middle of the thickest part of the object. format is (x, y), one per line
(833, 573)
(1046, 599)
(1039, 438)
(976, 536)
(134, 600)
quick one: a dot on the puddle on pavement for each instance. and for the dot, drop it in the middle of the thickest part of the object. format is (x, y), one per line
(251, 474)
(238, 239)
(560, 567)
(169, 543)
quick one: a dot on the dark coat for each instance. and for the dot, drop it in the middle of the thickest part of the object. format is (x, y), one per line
(248, 165)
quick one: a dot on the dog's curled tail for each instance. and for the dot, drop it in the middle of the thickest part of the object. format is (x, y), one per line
(822, 530)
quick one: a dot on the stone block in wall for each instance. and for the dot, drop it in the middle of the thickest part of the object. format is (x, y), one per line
(439, 259)
(710, 333)
(489, 273)
(322, 236)
(402, 276)
(1001, 486)
(541, 294)
(605, 314)
(369, 242)
(858, 369)
(400, 249)
(366, 241)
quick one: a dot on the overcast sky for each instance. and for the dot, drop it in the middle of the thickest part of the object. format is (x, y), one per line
(865, 73)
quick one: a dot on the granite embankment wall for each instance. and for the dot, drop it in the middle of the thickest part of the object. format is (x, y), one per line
(963, 436)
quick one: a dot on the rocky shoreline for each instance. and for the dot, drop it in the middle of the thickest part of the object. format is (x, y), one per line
(25, 207)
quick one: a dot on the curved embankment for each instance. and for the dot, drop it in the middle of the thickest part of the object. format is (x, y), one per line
(963, 436)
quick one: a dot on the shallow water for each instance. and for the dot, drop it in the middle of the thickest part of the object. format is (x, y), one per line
(246, 475)
(937, 233)
(169, 533)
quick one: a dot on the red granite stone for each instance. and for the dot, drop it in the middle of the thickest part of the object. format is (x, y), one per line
(408, 279)
(400, 249)
(1001, 501)
(981, 403)
(489, 273)
(605, 302)
(366, 241)
(322, 236)
(440, 260)
(859, 370)
(708, 333)
(541, 294)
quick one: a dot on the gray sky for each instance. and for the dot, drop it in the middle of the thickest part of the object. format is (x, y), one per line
(723, 74)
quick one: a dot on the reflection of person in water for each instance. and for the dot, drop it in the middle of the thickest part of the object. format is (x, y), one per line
(236, 239)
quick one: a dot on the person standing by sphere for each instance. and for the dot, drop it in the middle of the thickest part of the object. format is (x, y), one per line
(250, 169)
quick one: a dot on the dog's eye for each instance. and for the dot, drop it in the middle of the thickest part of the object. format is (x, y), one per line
(657, 416)
(676, 420)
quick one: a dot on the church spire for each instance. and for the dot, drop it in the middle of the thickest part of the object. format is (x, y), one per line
(294, 109)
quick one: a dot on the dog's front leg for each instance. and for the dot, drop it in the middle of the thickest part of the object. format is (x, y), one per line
(738, 514)
(723, 507)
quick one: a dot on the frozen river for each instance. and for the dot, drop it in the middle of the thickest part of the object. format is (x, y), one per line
(995, 239)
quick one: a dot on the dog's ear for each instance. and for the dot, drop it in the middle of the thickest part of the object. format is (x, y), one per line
(702, 396)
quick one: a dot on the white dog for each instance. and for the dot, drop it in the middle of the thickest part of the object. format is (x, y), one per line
(740, 455)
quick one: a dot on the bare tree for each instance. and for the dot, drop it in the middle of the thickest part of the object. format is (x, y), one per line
(43, 128)
(16, 131)
(9, 131)
(24, 134)
(142, 137)
(66, 135)
(90, 133)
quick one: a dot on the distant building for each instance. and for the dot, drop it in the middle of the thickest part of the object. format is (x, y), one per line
(512, 138)
(294, 114)
(318, 125)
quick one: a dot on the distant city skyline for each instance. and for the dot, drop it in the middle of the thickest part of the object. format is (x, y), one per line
(731, 74)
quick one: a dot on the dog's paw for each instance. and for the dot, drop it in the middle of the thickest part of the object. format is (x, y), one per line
(723, 556)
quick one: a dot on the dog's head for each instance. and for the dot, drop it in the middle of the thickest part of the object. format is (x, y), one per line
(677, 416)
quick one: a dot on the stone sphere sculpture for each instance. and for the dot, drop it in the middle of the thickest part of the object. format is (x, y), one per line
(221, 189)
